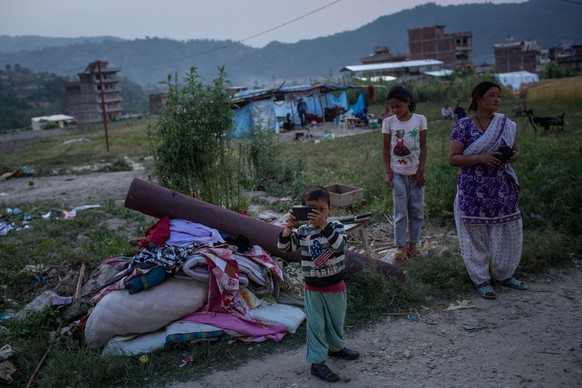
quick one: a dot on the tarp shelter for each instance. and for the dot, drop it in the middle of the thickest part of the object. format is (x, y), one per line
(358, 107)
(264, 106)
(516, 79)
(61, 120)
(254, 109)
(318, 97)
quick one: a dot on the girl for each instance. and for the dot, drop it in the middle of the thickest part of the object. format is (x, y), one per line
(404, 154)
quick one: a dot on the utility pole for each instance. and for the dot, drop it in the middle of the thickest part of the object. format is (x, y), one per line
(103, 113)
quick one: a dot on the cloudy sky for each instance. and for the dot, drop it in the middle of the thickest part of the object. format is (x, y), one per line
(253, 22)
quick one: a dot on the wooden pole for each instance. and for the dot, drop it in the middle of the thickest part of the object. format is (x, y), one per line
(103, 113)
(80, 282)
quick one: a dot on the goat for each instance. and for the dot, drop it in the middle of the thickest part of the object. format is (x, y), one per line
(521, 110)
(546, 122)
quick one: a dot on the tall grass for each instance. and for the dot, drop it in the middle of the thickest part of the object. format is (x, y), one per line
(550, 196)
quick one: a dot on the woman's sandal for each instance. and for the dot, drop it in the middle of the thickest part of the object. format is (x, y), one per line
(514, 283)
(487, 292)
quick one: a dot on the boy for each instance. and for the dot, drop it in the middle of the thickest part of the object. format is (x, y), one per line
(322, 244)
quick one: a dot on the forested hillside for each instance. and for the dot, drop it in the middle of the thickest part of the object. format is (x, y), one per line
(25, 94)
(149, 61)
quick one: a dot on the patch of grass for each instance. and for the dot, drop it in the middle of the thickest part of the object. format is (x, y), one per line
(549, 198)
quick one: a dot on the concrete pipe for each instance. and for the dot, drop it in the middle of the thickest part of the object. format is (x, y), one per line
(157, 201)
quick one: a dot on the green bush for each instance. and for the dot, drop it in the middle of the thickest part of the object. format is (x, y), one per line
(191, 143)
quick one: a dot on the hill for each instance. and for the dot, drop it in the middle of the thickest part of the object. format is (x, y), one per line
(150, 60)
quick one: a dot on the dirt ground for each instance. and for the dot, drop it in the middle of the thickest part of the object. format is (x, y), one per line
(529, 338)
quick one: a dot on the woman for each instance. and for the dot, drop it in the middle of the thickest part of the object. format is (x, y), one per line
(487, 211)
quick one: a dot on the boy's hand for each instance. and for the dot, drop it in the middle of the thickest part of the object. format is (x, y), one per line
(317, 218)
(291, 219)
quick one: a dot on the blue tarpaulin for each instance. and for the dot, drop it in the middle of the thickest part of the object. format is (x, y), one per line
(262, 107)
(257, 114)
(358, 107)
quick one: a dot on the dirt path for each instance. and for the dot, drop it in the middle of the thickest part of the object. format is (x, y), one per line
(527, 338)
(523, 339)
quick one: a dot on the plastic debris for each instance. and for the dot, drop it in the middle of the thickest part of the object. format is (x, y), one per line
(5, 227)
(464, 304)
(188, 359)
(57, 213)
(472, 326)
(6, 367)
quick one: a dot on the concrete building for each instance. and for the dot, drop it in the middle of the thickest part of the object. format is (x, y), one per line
(61, 121)
(98, 89)
(567, 56)
(454, 50)
(520, 56)
(382, 55)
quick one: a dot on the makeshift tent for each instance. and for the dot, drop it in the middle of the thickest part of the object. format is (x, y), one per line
(315, 106)
(516, 79)
(276, 103)
(358, 107)
(255, 114)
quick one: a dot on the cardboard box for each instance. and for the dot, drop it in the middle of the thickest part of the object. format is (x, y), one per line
(344, 196)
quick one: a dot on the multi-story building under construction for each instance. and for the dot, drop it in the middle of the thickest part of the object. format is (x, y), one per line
(454, 50)
(97, 91)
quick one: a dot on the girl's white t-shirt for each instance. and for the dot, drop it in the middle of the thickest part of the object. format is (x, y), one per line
(404, 142)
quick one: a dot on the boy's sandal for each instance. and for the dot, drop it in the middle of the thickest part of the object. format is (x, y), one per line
(514, 283)
(323, 372)
(487, 292)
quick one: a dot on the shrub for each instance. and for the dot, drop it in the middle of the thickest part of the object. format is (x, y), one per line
(191, 141)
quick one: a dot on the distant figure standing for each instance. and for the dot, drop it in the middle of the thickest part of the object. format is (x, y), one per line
(302, 111)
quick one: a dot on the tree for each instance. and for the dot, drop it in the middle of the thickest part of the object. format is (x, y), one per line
(191, 141)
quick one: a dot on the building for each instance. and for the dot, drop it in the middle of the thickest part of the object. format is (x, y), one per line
(520, 56)
(382, 55)
(567, 56)
(61, 121)
(390, 69)
(157, 102)
(454, 50)
(98, 89)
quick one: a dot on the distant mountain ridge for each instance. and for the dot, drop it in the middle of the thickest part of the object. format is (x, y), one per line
(151, 60)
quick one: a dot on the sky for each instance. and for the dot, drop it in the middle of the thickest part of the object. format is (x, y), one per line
(252, 22)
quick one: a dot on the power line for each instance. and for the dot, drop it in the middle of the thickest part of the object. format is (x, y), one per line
(245, 39)
(239, 41)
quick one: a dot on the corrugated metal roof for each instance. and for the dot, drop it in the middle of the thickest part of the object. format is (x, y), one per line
(393, 65)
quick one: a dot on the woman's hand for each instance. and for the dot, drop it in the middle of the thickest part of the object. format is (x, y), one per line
(490, 158)
(515, 157)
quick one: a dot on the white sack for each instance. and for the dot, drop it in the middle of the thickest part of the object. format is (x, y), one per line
(120, 313)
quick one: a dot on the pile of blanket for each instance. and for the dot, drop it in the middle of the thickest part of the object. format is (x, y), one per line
(188, 282)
